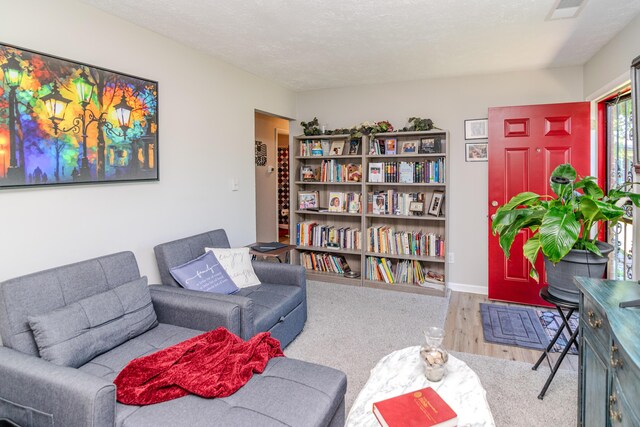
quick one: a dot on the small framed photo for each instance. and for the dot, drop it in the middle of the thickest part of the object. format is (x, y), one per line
(476, 152)
(354, 146)
(307, 200)
(409, 147)
(476, 129)
(379, 204)
(427, 146)
(416, 207)
(336, 202)
(435, 207)
(337, 147)
(390, 146)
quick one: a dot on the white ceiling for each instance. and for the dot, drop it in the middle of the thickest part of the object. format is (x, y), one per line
(313, 44)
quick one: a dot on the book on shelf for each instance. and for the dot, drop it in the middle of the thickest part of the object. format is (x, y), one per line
(354, 172)
(390, 146)
(324, 262)
(354, 202)
(337, 147)
(386, 240)
(402, 271)
(311, 233)
(354, 146)
(326, 147)
(375, 172)
(423, 408)
(336, 202)
(334, 171)
(377, 146)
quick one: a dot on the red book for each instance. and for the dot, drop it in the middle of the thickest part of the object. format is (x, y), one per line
(420, 408)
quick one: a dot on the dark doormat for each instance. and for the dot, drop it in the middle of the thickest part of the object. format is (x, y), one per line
(523, 326)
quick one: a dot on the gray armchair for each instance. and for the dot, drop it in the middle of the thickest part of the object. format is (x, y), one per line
(36, 392)
(277, 305)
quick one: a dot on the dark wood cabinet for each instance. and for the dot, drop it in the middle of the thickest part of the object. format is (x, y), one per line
(609, 388)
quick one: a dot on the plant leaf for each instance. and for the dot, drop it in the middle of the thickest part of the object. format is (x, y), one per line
(509, 233)
(590, 187)
(567, 172)
(504, 218)
(595, 210)
(531, 248)
(592, 247)
(558, 233)
(523, 199)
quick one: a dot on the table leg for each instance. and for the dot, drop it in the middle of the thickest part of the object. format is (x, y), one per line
(558, 362)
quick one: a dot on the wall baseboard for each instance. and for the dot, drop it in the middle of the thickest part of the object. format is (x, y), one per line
(463, 287)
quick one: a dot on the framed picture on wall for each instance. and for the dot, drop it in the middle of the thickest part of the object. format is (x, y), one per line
(476, 129)
(66, 122)
(476, 151)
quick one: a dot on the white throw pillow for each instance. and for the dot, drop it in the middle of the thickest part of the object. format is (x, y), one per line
(237, 263)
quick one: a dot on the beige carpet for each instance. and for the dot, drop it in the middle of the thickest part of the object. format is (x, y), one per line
(351, 328)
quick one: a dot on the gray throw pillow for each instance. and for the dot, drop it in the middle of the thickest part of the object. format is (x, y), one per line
(75, 334)
(205, 274)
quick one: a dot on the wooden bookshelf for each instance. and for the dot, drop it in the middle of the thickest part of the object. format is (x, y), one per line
(357, 258)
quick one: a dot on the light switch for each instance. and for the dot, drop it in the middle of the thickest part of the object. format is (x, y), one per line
(235, 185)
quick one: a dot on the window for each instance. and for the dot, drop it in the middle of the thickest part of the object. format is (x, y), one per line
(619, 142)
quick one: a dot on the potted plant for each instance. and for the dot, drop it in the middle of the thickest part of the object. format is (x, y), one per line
(564, 228)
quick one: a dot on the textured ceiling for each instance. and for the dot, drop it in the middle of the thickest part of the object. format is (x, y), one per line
(312, 44)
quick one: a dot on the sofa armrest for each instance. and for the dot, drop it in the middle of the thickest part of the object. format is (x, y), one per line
(36, 392)
(281, 274)
(202, 311)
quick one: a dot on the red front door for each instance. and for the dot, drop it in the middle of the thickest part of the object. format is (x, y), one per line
(526, 143)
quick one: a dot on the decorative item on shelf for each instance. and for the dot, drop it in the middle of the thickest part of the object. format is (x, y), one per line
(308, 200)
(433, 356)
(476, 152)
(354, 172)
(435, 207)
(312, 127)
(336, 202)
(429, 145)
(326, 147)
(476, 129)
(354, 146)
(316, 148)
(417, 124)
(417, 208)
(561, 227)
(409, 147)
(390, 145)
(308, 173)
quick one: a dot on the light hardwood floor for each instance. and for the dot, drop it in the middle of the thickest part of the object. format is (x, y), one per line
(464, 333)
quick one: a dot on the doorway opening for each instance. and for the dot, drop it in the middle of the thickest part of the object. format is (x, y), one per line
(616, 147)
(272, 177)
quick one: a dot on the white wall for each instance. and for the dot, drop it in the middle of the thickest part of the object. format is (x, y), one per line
(448, 102)
(267, 182)
(610, 66)
(206, 116)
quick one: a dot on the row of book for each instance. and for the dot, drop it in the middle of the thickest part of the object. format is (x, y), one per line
(428, 171)
(324, 262)
(392, 202)
(332, 171)
(386, 240)
(391, 146)
(310, 233)
(402, 271)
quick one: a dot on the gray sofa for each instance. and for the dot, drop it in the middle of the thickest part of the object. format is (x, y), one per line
(277, 305)
(36, 392)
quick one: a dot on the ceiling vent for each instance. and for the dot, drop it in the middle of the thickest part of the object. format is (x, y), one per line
(566, 9)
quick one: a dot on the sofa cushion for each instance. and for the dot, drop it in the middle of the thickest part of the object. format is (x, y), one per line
(288, 393)
(272, 302)
(75, 334)
(204, 274)
(237, 263)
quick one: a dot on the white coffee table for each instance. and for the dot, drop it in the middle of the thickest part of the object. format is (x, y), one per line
(402, 372)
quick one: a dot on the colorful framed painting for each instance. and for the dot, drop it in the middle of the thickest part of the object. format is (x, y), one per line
(65, 122)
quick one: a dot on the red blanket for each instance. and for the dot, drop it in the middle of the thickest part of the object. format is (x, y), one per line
(214, 364)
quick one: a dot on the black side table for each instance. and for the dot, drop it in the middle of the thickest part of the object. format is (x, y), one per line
(561, 305)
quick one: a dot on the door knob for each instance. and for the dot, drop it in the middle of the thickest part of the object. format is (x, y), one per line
(494, 203)
(493, 217)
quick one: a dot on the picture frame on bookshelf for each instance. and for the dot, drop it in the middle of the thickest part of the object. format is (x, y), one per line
(476, 152)
(409, 147)
(435, 206)
(354, 172)
(336, 202)
(375, 172)
(354, 146)
(476, 129)
(390, 146)
(337, 147)
(428, 146)
(417, 208)
(307, 173)
(308, 200)
(379, 204)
